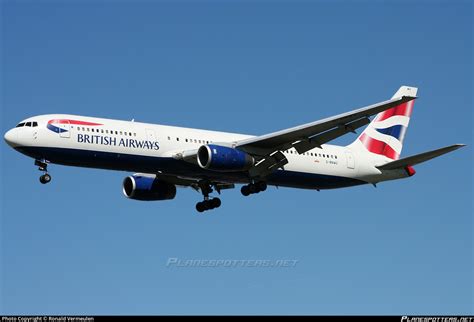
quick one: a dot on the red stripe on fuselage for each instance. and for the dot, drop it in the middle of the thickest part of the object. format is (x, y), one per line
(76, 122)
(404, 109)
(378, 147)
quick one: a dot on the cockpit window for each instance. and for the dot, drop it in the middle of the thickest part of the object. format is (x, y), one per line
(21, 125)
(28, 124)
(35, 124)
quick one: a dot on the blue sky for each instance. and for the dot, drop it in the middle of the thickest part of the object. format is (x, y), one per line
(77, 246)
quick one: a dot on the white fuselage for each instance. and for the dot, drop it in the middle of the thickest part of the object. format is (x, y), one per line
(149, 148)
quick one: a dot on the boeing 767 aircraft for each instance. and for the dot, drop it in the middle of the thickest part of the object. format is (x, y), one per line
(165, 157)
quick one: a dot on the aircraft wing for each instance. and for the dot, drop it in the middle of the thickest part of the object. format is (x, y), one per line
(311, 135)
(267, 149)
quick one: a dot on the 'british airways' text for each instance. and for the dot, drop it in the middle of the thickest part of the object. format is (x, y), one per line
(125, 142)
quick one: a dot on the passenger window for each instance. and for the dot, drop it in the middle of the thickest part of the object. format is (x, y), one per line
(177, 139)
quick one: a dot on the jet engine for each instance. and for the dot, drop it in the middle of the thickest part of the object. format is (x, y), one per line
(221, 158)
(145, 188)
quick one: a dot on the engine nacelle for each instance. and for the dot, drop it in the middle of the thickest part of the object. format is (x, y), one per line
(147, 188)
(222, 158)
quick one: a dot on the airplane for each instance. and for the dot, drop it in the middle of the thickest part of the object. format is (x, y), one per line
(166, 157)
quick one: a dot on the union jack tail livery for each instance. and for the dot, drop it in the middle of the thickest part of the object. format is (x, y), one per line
(385, 134)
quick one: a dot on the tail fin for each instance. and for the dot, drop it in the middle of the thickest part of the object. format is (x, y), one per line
(385, 134)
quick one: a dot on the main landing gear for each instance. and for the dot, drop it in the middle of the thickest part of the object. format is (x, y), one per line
(207, 203)
(43, 167)
(253, 188)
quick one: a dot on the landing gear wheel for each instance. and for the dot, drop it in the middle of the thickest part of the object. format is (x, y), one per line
(245, 191)
(215, 203)
(252, 188)
(45, 178)
(200, 207)
(43, 167)
(262, 185)
(208, 204)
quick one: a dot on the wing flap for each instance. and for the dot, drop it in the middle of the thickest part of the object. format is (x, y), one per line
(268, 165)
(318, 140)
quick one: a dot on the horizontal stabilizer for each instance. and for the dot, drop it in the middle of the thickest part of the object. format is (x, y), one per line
(419, 158)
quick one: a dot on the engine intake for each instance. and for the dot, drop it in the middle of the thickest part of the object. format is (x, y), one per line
(221, 158)
(147, 188)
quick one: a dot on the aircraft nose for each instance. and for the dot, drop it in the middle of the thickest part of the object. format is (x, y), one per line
(10, 138)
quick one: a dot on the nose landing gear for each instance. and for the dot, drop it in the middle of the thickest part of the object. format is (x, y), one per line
(43, 167)
(45, 178)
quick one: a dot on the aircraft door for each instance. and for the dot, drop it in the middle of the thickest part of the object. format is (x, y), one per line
(350, 160)
(150, 135)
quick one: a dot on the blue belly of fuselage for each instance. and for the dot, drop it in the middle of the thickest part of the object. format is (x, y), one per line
(171, 166)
